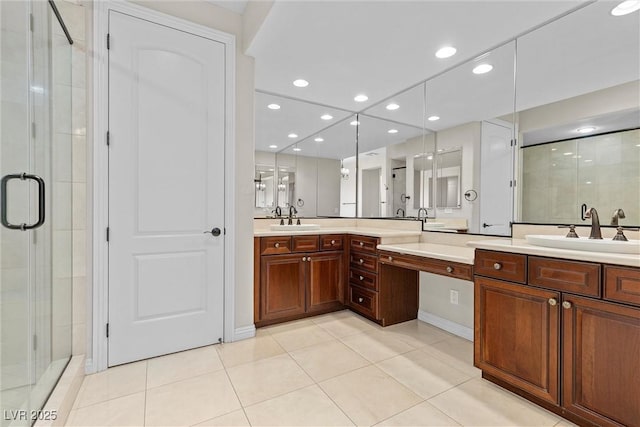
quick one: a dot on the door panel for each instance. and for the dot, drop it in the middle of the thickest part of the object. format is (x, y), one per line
(282, 285)
(326, 281)
(166, 163)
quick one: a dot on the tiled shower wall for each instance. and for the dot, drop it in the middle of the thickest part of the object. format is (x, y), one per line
(73, 13)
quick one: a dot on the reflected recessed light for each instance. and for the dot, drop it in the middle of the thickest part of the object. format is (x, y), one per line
(273, 106)
(297, 149)
(392, 131)
(360, 98)
(626, 7)
(354, 123)
(282, 170)
(392, 106)
(553, 164)
(433, 118)
(429, 157)
(262, 172)
(588, 182)
(440, 149)
(319, 139)
(637, 145)
(446, 52)
(586, 129)
(300, 83)
(588, 161)
(292, 135)
(568, 153)
(273, 146)
(554, 149)
(271, 170)
(482, 68)
(326, 117)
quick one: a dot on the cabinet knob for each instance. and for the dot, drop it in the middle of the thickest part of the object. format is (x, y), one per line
(304, 258)
(390, 258)
(552, 301)
(333, 242)
(497, 266)
(449, 269)
(361, 260)
(360, 299)
(277, 245)
(566, 304)
(308, 258)
(361, 243)
(361, 278)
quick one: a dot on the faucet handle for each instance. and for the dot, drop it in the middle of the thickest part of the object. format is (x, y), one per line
(620, 235)
(572, 231)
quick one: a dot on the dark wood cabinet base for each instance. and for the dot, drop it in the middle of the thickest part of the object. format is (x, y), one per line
(262, 323)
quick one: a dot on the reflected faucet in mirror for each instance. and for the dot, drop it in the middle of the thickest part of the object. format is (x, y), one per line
(277, 211)
(426, 214)
(595, 224)
(399, 211)
(617, 214)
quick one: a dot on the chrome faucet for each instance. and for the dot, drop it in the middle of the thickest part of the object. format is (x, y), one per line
(618, 213)
(426, 214)
(595, 224)
(398, 212)
(292, 211)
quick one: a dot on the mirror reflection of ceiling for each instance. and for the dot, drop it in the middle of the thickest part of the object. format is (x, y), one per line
(344, 48)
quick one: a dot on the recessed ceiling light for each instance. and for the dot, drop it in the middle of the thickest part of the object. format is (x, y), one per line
(393, 106)
(360, 98)
(554, 149)
(300, 83)
(568, 153)
(392, 131)
(429, 157)
(292, 135)
(283, 169)
(637, 145)
(433, 118)
(626, 7)
(297, 149)
(588, 161)
(482, 68)
(319, 139)
(271, 170)
(354, 123)
(586, 129)
(273, 106)
(273, 146)
(326, 117)
(588, 182)
(446, 52)
(440, 150)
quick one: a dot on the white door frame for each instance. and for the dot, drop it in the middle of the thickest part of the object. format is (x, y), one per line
(100, 179)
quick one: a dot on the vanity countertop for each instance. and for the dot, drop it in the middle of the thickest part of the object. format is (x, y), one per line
(451, 253)
(362, 231)
(521, 246)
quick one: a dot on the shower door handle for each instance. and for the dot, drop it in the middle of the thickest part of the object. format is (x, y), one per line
(3, 201)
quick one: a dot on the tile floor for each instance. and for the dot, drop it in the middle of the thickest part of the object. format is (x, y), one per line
(331, 370)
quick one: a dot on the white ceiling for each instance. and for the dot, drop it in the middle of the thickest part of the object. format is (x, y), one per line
(582, 52)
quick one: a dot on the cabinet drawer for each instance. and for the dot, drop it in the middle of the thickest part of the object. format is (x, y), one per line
(430, 265)
(332, 242)
(622, 284)
(275, 245)
(363, 244)
(363, 261)
(305, 243)
(363, 278)
(363, 301)
(501, 265)
(568, 276)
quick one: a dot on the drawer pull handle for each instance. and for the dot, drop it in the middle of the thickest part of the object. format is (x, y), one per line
(361, 243)
(304, 258)
(497, 266)
(360, 299)
(566, 305)
(333, 242)
(390, 258)
(449, 269)
(277, 245)
(361, 278)
(552, 301)
(361, 261)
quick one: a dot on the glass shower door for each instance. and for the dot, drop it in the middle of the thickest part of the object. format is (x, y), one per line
(35, 236)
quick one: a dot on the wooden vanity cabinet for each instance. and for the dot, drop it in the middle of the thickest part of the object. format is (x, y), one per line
(301, 276)
(577, 355)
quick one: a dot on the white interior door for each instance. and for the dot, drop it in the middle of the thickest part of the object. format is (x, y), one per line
(166, 188)
(496, 175)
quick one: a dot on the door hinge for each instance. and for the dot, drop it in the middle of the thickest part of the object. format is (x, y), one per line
(107, 234)
(108, 41)
(31, 25)
(107, 330)
(510, 183)
(108, 142)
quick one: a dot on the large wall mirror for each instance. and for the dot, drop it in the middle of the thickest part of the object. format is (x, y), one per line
(579, 136)
(533, 130)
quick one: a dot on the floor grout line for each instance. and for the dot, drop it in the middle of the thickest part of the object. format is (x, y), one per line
(237, 397)
(146, 394)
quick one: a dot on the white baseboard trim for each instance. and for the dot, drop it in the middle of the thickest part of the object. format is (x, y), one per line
(447, 325)
(244, 332)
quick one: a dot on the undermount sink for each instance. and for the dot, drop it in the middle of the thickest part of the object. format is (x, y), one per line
(295, 227)
(585, 244)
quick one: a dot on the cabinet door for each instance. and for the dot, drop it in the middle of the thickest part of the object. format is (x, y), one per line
(325, 281)
(282, 286)
(516, 335)
(601, 361)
